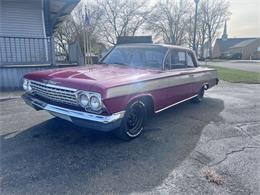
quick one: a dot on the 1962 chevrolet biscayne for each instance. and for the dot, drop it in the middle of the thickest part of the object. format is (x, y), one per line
(129, 83)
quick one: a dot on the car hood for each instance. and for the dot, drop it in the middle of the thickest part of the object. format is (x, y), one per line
(104, 76)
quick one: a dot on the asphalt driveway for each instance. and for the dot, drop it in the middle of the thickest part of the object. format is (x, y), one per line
(42, 155)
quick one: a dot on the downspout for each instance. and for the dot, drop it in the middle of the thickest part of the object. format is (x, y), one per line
(44, 31)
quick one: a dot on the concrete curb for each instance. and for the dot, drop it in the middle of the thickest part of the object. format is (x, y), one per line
(4, 96)
(8, 98)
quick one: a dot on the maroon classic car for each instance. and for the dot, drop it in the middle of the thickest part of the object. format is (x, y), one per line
(128, 84)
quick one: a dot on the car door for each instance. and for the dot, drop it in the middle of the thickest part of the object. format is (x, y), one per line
(179, 75)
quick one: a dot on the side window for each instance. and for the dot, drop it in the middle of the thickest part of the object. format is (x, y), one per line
(175, 59)
(190, 60)
(178, 58)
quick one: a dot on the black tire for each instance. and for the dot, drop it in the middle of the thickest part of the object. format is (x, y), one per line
(199, 96)
(133, 122)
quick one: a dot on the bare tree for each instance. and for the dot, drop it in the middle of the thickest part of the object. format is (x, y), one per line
(190, 29)
(94, 13)
(201, 37)
(214, 13)
(168, 19)
(121, 18)
(73, 28)
(64, 36)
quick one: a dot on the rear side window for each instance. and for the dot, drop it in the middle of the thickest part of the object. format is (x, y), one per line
(175, 59)
(178, 58)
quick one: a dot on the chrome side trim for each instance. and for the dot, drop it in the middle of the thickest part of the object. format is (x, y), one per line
(175, 104)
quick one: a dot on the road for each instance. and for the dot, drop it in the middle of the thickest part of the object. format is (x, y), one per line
(43, 155)
(240, 65)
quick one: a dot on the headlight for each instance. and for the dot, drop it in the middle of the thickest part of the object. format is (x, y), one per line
(95, 103)
(27, 85)
(83, 99)
(90, 100)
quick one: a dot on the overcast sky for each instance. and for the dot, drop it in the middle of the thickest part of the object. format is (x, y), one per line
(245, 18)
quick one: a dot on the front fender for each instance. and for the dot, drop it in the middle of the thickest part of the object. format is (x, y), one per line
(148, 100)
(118, 104)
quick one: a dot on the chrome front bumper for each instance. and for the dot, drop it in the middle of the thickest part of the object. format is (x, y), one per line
(93, 121)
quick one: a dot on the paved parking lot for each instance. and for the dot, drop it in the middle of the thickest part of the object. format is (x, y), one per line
(42, 155)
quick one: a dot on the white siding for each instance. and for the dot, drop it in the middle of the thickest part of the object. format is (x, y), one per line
(21, 18)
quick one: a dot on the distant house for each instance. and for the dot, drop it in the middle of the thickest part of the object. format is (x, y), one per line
(236, 48)
(26, 36)
(248, 49)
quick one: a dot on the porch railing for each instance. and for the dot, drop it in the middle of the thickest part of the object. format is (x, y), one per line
(26, 51)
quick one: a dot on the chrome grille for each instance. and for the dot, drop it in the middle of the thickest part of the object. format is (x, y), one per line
(55, 93)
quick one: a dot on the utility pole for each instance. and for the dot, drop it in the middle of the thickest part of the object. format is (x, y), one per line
(195, 27)
(84, 37)
(85, 50)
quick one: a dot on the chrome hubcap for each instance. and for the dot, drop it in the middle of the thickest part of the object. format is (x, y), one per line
(135, 118)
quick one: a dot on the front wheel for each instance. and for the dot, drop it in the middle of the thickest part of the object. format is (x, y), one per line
(133, 122)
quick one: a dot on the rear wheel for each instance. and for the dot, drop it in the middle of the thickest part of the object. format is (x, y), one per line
(133, 122)
(199, 96)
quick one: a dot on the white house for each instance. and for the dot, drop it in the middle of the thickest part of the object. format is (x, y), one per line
(26, 36)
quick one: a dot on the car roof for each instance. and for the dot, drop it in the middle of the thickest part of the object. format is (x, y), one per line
(154, 44)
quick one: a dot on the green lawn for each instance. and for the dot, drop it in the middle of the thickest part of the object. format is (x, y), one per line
(237, 76)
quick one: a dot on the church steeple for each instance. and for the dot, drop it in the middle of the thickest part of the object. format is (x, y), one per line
(224, 35)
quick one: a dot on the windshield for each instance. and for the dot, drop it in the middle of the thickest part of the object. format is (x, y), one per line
(136, 56)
